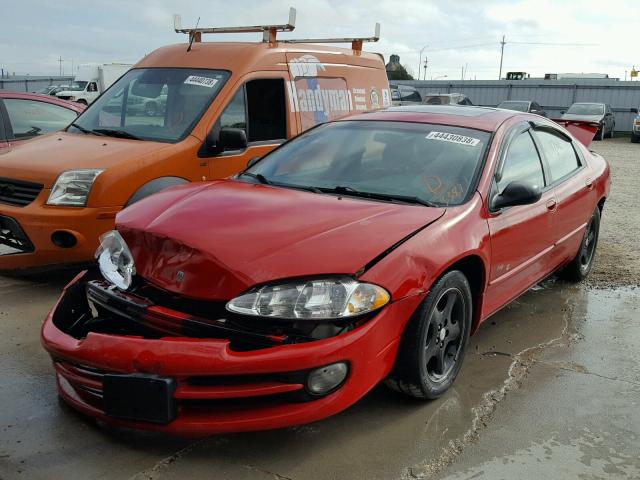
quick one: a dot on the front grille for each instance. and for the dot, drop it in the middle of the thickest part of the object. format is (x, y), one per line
(18, 192)
(12, 236)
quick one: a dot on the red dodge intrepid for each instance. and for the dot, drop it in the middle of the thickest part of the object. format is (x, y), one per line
(364, 250)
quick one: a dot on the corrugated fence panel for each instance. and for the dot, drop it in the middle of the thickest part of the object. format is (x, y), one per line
(31, 83)
(555, 96)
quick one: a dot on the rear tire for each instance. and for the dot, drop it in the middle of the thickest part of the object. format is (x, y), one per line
(582, 263)
(434, 342)
(635, 138)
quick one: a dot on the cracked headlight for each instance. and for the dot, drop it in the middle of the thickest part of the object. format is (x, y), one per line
(72, 187)
(115, 260)
(317, 299)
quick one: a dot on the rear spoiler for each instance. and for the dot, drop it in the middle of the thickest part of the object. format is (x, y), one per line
(582, 130)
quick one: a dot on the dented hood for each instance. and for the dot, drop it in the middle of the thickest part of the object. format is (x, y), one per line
(228, 236)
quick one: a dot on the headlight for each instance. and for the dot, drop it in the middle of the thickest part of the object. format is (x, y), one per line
(115, 260)
(72, 187)
(321, 299)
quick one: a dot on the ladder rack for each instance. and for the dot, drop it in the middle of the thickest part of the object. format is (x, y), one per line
(269, 32)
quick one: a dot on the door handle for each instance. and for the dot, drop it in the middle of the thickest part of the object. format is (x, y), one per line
(551, 205)
(589, 183)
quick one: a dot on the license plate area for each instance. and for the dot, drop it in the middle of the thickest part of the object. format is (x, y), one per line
(146, 398)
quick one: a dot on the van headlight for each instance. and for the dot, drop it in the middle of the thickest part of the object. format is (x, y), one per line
(316, 299)
(72, 187)
(115, 260)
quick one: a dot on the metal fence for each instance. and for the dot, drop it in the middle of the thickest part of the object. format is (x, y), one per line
(31, 84)
(554, 96)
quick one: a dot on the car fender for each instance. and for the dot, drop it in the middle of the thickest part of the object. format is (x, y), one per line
(154, 186)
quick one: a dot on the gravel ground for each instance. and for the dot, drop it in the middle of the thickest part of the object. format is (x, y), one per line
(618, 255)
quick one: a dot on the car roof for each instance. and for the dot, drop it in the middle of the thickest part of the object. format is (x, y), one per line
(481, 118)
(43, 98)
(249, 56)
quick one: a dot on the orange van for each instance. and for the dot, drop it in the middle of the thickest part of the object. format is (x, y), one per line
(189, 112)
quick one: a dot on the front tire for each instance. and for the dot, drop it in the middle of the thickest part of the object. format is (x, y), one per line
(635, 138)
(435, 339)
(582, 263)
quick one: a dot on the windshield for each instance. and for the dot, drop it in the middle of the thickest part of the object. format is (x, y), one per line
(157, 104)
(434, 164)
(586, 109)
(437, 100)
(77, 86)
(518, 106)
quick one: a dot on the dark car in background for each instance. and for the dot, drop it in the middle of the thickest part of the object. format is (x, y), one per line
(404, 95)
(446, 99)
(593, 112)
(26, 115)
(523, 106)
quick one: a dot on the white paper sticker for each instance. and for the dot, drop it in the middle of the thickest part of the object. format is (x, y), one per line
(453, 138)
(201, 81)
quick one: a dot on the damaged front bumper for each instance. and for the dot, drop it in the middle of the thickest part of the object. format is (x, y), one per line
(187, 378)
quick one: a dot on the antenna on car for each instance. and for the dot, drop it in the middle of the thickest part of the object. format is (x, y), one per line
(356, 42)
(268, 31)
(192, 37)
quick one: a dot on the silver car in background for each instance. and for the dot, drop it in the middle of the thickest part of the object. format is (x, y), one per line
(593, 112)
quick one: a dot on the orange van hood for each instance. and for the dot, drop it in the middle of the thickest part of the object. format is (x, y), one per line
(42, 159)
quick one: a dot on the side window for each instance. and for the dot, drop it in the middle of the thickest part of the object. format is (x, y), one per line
(560, 154)
(522, 163)
(258, 108)
(92, 87)
(29, 118)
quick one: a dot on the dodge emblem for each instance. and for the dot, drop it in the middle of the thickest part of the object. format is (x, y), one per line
(179, 276)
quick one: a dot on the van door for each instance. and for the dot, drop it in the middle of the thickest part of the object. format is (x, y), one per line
(259, 107)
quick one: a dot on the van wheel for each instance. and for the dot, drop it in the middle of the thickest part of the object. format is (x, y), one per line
(82, 101)
(582, 263)
(433, 344)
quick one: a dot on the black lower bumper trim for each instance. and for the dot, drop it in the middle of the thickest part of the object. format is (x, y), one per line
(12, 236)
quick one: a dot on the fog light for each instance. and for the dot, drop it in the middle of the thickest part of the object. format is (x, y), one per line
(324, 379)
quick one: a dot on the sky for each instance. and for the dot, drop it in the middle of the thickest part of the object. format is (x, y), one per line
(456, 37)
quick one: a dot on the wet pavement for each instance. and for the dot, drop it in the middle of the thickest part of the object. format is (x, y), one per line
(549, 384)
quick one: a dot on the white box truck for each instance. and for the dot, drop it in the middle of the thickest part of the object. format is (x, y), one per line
(92, 80)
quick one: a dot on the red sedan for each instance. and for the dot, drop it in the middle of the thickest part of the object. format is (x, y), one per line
(26, 115)
(364, 250)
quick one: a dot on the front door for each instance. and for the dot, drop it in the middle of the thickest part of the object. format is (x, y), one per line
(259, 108)
(521, 236)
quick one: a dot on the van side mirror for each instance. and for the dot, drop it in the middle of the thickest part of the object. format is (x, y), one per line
(516, 193)
(231, 139)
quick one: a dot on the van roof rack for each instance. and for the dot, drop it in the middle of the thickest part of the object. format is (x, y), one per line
(269, 32)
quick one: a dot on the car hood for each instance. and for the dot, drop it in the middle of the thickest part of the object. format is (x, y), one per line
(228, 236)
(42, 159)
(586, 118)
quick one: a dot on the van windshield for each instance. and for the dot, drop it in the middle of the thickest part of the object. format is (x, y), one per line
(156, 104)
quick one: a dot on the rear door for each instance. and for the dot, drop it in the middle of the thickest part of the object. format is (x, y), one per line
(572, 183)
(259, 107)
(521, 236)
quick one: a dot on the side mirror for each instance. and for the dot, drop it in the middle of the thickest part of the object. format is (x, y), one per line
(232, 139)
(252, 161)
(561, 112)
(516, 193)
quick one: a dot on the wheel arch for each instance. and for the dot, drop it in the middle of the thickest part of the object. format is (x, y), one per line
(154, 186)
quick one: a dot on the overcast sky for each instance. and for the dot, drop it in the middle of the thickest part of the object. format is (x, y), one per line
(457, 34)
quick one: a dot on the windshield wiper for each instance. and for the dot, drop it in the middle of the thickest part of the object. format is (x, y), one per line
(84, 130)
(116, 133)
(258, 176)
(340, 189)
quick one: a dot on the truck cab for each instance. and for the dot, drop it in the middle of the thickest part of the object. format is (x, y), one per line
(218, 105)
(91, 81)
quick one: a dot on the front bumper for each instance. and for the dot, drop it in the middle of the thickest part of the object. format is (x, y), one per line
(38, 221)
(247, 398)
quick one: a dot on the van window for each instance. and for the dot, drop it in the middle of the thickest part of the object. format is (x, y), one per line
(156, 104)
(263, 102)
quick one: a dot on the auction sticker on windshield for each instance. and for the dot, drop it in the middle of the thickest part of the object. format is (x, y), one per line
(453, 138)
(201, 81)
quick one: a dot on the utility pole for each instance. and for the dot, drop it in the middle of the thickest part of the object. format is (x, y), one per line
(420, 61)
(501, 56)
(60, 62)
(426, 61)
